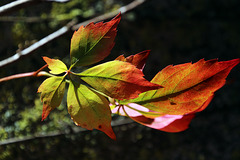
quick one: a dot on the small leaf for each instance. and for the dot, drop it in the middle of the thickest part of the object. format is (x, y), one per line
(52, 91)
(55, 65)
(94, 42)
(89, 109)
(117, 79)
(137, 60)
(186, 87)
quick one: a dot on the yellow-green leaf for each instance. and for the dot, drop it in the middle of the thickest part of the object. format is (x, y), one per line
(89, 109)
(117, 79)
(52, 91)
(55, 65)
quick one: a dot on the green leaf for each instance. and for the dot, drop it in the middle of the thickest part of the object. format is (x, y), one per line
(52, 91)
(55, 65)
(117, 79)
(93, 43)
(89, 109)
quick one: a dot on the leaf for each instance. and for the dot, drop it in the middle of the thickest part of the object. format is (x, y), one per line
(179, 125)
(94, 42)
(137, 60)
(89, 109)
(55, 65)
(146, 117)
(182, 124)
(117, 79)
(167, 123)
(186, 87)
(52, 91)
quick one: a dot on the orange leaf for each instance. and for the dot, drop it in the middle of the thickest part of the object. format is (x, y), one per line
(186, 87)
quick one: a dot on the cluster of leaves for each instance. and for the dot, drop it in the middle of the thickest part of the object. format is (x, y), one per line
(168, 102)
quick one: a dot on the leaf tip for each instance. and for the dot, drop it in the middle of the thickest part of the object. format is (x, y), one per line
(107, 130)
(118, 17)
(46, 59)
(45, 112)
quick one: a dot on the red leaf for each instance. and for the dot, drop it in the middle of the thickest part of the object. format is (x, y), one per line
(94, 42)
(168, 123)
(137, 60)
(179, 125)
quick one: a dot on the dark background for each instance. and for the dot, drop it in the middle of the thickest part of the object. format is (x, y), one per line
(176, 31)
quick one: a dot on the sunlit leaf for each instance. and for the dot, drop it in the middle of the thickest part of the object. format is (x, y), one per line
(168, 123)
(186, 87)
(117, 79)
(89, 109)
(146, 117)
(52, 91)
(94, 42)
(55, 65)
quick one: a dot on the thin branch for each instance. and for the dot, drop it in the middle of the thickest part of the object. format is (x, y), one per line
(37, 73)
(123, 10)
(37, 45)
(73, 131)
(24, 19)
(67, 28)
(16, 5)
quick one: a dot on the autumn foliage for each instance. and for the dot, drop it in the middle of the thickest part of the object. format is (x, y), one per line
(168, 102)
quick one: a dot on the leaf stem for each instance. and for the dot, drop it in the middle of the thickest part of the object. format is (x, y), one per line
(37, 73)
(152, 114)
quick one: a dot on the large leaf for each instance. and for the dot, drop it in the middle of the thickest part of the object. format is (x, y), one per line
(117, 79)
(186, 87)
(55, 65)
(137, 60)
(52, 91)
(94, 42)
(89, 109)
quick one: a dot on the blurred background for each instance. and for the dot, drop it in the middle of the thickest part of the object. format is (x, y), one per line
(176, 31)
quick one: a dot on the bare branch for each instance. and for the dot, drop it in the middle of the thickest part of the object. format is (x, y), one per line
(74, 130)
(37, 45)
(23, 19)
(123, 10)
(66, 29)
(16, 5)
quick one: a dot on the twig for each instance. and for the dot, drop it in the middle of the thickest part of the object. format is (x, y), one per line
(37, 73)
(23, 19)
(37, 45)
(16, 5)
(57, 133)
(123, 10)
(65, 29)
